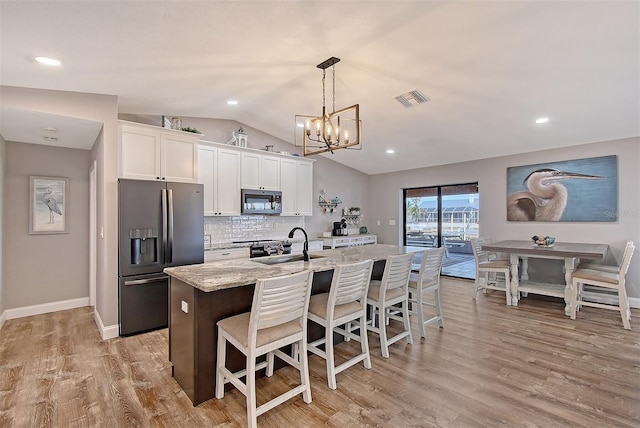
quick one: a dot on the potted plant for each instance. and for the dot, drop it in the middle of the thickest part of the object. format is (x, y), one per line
(190, 129)
(354, 211)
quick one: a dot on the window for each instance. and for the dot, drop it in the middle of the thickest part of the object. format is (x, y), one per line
(444, 216)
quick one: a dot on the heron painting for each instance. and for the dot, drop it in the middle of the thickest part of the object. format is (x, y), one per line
(566, 191)
(48, 205)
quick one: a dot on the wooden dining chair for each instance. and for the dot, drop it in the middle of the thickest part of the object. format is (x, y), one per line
(613, 294)
(345, 302)
(278, 318)
(427, 280)
(492, 272)
(389, 299)
(601, 266)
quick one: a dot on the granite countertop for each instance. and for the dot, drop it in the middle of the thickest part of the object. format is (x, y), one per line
(220, 275)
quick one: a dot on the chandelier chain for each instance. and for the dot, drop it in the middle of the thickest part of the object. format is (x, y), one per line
(334, 87)
(324, 74)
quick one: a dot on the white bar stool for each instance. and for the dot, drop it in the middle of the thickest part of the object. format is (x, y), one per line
(384, 295)
(278, 318)
(345, 302)
(427, 280)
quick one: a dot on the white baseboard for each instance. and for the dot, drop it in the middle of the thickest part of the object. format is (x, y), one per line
(108, 332)
(45, 308)
(634, 302)
(3, 318)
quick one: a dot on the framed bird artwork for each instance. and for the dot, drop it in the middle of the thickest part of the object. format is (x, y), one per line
(48, 205)
(564, 191)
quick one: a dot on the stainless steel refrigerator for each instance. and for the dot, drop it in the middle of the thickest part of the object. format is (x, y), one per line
(161, 224)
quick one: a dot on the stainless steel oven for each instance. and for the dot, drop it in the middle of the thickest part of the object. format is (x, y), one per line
(266, 202)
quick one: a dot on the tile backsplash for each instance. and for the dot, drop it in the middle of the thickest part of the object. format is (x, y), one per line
(223, 230)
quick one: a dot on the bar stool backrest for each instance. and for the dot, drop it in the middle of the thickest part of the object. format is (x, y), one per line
(279, 302)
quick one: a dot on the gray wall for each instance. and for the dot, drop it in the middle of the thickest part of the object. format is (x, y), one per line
(45, 268)
(351, 186)
(99, 108)
(385, 194)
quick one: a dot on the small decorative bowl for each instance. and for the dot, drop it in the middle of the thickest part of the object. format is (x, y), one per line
(546, 240)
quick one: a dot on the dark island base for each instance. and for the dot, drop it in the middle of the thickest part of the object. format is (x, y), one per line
(193, 336)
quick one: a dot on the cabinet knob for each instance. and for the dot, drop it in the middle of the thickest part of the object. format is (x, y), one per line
(157, 178)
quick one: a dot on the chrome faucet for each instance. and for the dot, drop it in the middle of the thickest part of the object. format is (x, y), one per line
(305, 249)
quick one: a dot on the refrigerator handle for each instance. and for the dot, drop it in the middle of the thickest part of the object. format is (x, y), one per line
(164, 225)
(170, 228)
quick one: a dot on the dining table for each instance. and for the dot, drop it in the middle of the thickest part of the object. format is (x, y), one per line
(570, 252)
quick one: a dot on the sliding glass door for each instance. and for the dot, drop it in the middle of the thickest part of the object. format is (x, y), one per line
(444, 216)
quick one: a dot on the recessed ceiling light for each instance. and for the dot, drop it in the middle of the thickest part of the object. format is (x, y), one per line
(542, 120)
(390, 151)
(47, 61)
(232, 102)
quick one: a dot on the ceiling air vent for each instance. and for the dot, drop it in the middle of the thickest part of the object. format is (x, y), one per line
(412, 98)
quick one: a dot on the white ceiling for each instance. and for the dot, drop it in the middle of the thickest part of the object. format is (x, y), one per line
(27, 126)
(489, 68)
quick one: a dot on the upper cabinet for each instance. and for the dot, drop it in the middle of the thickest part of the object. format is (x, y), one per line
(296, 178)
(152, 153)
(260, 171)
(219, 172)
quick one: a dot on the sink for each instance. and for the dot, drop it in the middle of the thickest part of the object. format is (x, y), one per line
(274, 260)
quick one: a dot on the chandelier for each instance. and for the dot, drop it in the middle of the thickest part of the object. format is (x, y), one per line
(338, 129)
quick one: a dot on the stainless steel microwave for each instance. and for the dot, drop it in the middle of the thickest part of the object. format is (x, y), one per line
(266, 202)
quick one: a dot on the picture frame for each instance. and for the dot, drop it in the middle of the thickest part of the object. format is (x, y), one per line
(578, 190)
(48, 205)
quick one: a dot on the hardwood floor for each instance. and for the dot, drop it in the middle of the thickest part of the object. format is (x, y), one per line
(491, 366)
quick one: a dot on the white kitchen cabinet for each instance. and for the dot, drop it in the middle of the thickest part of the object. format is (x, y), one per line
(226, 254)
(349, 241)
(219, 172)
(148, 152)
(260, 171)
(296, 178)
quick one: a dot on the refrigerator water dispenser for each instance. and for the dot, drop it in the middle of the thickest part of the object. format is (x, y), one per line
(143, 246)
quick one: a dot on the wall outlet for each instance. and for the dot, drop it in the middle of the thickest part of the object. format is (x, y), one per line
(392, 222)
(185, 307)
(378, 222)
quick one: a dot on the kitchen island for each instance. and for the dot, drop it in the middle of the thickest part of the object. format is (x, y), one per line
(201, 295)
